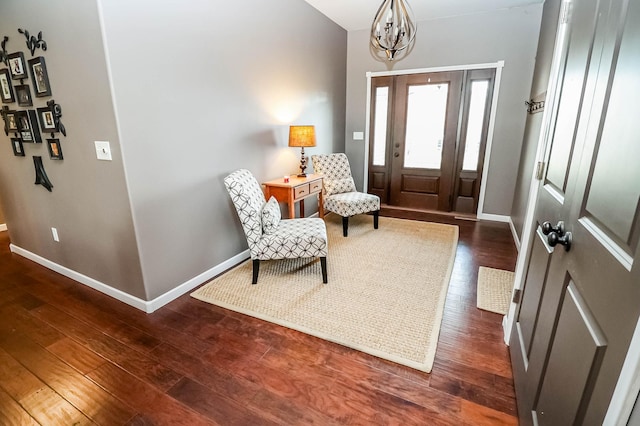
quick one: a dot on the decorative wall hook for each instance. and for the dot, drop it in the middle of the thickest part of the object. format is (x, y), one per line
(56, 110)
(33, 43)
(41, 175)
(4, 56)
(4, 111)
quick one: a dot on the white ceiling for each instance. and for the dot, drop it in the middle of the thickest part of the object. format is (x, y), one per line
(358, 14)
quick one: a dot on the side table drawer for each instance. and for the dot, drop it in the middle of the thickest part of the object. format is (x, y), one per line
(301, 191)
(315, 187)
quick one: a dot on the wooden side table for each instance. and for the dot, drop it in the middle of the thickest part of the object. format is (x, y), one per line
(297, 189)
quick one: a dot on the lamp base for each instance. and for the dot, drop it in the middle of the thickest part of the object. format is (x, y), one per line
(303, 163)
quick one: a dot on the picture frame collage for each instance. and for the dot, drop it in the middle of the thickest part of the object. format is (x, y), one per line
(26, 123)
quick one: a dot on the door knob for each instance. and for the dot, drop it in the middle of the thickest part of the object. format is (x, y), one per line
(547, 228)
(555, 238)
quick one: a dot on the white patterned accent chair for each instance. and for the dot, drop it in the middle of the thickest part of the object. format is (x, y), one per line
(340, 194)
(268, 236)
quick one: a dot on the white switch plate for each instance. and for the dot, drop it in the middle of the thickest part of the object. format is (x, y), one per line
(103, 150)
(358, 136)
(54, 232)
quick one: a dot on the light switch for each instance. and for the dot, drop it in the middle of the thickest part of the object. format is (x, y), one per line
(103, 150)
(358, 136)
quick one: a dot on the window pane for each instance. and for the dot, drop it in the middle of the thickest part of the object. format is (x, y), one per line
(380, 126)
(426, 112)
(474, 124)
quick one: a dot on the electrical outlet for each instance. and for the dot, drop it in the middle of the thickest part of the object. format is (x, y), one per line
(358, 136)
(54, 232)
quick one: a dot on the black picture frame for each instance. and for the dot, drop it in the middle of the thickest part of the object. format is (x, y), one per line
(12, 121)
(47, 122)
(23, 94)
(40, 77)
(55, 150)
(17, 66)
(18, 148)
(28, 126)
(6, 88)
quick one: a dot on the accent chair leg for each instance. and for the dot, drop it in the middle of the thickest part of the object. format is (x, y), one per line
(256, 269)
(323, 265)
(345, 225)
(376, 214)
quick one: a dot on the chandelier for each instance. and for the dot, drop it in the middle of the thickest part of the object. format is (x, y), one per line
(393, 30)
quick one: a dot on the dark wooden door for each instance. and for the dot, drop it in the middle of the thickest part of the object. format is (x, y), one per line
(427, 138)
(424, 140)
(581, 301)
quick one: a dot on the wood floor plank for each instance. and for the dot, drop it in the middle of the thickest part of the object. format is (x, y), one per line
(217, 378)
(135, 362)
(212, 405)
(155, 405)
(194, 363)
(73, 303)
(479, 415)
(17, 318)
(84, 394)
(12, 413)
(76, 355)
(40, 401)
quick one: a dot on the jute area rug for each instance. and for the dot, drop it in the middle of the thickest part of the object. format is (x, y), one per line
(385, 294)
(494, 289)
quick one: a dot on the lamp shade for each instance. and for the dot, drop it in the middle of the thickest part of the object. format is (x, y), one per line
(302, 136)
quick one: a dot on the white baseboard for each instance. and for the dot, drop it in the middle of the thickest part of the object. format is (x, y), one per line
(3, 227)
(494, 217)
(194, 282)
(514, 233)
(143, 305)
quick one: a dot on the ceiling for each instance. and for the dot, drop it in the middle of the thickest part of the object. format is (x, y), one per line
(358, 14)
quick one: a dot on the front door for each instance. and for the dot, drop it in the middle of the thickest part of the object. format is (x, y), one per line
(581, 296)
(427, 138)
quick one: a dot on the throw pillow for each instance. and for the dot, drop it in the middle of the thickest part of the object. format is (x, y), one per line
(271, 216)
(339, 186)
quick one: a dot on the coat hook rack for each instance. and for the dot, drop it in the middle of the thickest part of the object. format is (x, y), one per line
(536, 104)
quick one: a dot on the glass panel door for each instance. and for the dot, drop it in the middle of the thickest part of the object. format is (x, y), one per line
(426, 114)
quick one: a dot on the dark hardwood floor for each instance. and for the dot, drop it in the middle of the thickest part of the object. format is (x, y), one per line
(70, 355)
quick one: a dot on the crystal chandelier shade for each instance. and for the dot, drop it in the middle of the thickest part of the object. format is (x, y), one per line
(393, 30)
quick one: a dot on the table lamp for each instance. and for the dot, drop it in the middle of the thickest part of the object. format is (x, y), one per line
(302, 136)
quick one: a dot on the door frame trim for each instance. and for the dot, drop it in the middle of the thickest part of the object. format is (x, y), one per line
(492, 119)
(528, 231)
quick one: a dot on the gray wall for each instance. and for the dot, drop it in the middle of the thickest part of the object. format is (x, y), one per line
(203, 88)
(89, 204)
(534, 121)
(510, 35)
(1, 214)
(200, 88)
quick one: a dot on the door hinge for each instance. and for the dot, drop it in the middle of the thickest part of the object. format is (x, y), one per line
(564, 13)
(540, 170)
(516, 295)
